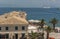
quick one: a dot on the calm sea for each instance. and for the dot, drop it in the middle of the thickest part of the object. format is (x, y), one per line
(37, 13)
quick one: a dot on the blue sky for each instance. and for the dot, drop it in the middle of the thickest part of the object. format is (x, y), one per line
(30, 3)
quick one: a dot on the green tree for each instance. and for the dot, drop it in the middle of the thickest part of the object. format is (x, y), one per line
(54, 21)
(42, 22)
(33, 35)
(48, 30)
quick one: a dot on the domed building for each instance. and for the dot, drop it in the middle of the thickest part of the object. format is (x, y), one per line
(13, 25)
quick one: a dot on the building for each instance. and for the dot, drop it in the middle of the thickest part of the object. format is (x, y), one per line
(13, 25)
(54, 35)
(58, 29)
(34, 26)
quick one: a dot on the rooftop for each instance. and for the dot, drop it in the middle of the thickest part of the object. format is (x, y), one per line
(13, 18)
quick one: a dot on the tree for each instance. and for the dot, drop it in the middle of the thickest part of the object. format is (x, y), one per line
(54, 22)
(33, 35)
(48, 30)
(42, 22)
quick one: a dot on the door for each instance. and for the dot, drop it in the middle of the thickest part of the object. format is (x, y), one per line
(16, 36)
(7, 36)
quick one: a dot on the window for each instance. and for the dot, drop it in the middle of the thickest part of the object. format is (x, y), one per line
(0, 28)
(7, 28)
(7, 35)
(16, 28)
(23, 27)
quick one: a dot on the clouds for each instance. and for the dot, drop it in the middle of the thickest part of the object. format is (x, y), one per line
(29, 3)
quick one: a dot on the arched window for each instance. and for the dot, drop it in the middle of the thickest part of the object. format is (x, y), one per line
(16, 27)
(23, 27)
(0, 28)
(7, 28)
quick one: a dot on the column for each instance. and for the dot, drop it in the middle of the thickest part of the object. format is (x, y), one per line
(27, 35)
(19, 35)
(11, 35)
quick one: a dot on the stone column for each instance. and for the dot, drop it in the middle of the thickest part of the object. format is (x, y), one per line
(19, 35)
(27, 35)
(11, 35)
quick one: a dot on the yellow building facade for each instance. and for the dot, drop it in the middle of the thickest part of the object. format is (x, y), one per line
(13, 25)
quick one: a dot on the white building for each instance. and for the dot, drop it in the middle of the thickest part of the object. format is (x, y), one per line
(32, 28)
(58, 28)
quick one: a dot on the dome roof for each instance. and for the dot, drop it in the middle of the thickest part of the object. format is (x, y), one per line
(12, 18)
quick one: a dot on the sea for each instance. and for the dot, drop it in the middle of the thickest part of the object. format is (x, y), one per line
(36, 13)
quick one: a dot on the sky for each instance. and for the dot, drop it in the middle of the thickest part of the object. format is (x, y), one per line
(30, 3)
